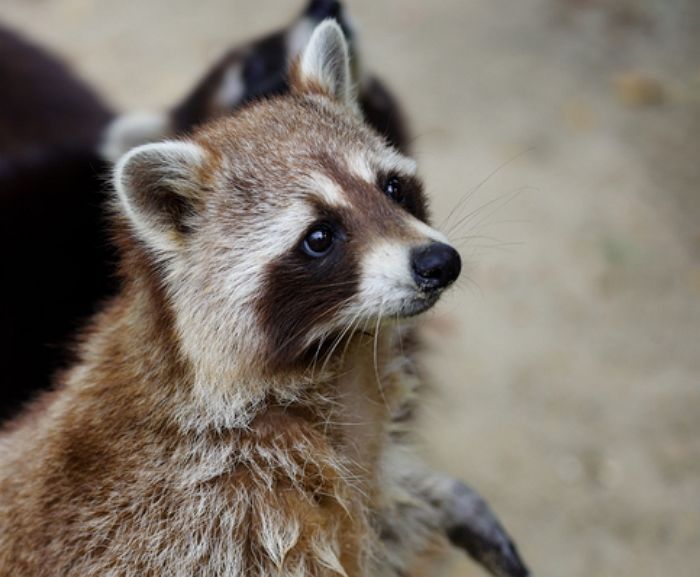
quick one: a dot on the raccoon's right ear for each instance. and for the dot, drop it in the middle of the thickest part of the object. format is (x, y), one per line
(158, 189)
(324, 65)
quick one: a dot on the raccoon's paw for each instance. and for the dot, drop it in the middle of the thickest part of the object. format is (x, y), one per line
(471, 525)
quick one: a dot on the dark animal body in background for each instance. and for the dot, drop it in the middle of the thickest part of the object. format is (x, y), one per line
(56, 255)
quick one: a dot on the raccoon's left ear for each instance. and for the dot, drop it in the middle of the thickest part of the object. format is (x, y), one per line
(324, 65)
(158, 188)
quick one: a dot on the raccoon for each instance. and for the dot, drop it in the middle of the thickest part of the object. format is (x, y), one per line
(233, 408)
(57, 141)
(71, 239)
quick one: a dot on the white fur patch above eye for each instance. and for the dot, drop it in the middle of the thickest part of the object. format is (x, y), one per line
(359, 165)
(369, 167)
(327, 190)
(393, 162)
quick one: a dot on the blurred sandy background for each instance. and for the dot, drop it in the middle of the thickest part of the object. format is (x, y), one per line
(568, 364)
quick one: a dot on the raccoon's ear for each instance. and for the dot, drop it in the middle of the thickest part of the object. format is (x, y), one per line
(158, 189)
(324, 65)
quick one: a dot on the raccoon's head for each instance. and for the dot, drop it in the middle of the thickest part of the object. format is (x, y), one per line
(288, 224)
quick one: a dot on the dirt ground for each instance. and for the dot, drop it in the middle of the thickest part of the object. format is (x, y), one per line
(565, 136)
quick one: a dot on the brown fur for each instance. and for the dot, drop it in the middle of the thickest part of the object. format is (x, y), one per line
(109, 451)
(129, 469)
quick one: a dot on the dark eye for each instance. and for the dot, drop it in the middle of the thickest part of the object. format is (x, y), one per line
(392, 188)
(319, 241)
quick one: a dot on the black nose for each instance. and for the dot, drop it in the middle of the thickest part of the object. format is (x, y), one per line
(435, 266)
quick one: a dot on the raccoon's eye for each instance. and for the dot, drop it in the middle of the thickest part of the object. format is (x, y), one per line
(406, 191)
(318, 241)
(392, 188)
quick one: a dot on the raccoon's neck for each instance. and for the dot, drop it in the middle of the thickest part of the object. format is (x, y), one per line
(361, 412)
(134, 352)
(134, 372)
(348, 390)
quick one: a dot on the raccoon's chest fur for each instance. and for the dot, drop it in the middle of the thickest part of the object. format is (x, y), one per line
(291, 493)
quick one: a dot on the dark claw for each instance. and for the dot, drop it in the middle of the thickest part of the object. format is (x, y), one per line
(472, 526)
